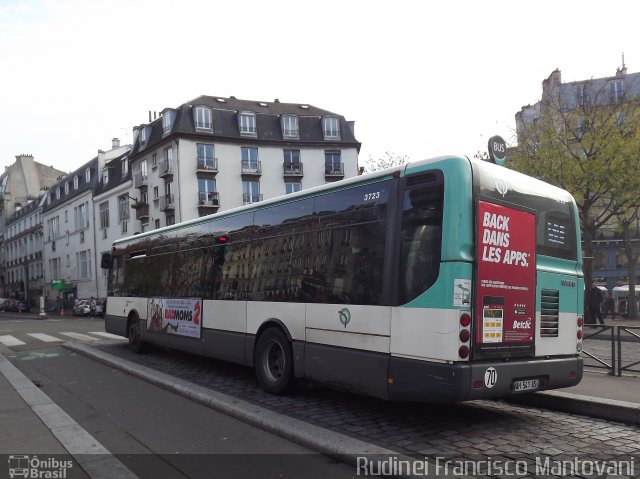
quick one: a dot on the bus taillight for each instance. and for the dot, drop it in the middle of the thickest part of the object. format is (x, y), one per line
(464, 335)
(463, 352)
(465, 320)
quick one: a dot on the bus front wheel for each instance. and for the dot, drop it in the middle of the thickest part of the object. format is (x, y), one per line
(274, 362)
(135, 340)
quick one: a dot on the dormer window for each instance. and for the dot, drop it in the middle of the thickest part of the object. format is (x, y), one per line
(143, 135)
(58, 193)
(203, 118)
(66, 187)
(75, 182)
(167, 122)
(290, 126)
(87, 175)
(105, 176)
(125, 167)
(247, 122)
(331, 128)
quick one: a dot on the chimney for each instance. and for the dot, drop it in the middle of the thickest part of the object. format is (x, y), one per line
(115, 143)
(149, 116)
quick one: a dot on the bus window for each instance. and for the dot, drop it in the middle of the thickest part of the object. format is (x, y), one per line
(421, 238)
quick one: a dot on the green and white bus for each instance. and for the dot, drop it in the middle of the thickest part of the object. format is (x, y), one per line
(444, 280)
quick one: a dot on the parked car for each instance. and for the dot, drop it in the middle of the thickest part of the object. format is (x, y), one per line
(4, 303)
(82, 307)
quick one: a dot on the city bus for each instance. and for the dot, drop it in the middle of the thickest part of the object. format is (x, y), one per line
(442, 280)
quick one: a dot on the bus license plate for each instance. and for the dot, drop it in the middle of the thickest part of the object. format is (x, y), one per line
(526, 385)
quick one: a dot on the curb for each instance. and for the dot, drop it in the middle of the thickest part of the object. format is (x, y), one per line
(610, 409)
(319, 439)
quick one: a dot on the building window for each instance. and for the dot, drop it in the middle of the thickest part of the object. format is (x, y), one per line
(58, 193)
(292, 161)
(247, 123)
(143, 169)
(207, 192)
(330, 127)
(332, 163)
(76, 182)
(203, 118)
(105, 176)
(125, 167)
(66, 187)
(171, 219)
(616, 91)
(206, 156)
(54, 264)
(83, 259)
(80, 217)
(290, 126)
(143, 135)
(104, 215)
(156, 193)
(156, 223)
(87, 175)
(292, 187)
(249, 159)
(251, 192)
(154, 160)
(123, 208)
(583, 95)
(166, 123)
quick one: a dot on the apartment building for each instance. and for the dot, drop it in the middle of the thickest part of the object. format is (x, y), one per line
(213, 154)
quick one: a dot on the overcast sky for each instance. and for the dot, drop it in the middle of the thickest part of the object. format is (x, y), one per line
(418, 78)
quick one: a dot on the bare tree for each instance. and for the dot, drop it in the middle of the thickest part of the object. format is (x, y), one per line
(388, 160)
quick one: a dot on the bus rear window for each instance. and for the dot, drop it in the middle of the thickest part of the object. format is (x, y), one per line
(555, 223)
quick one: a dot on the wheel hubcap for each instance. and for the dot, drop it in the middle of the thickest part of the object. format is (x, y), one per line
(273, 361)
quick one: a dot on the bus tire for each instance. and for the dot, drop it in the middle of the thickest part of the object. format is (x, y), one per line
(135, 340)
(273, 361)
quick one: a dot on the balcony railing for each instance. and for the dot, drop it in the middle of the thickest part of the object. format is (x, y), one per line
(334, 170)
(248, 198)
(140, 180)
(208, 198)
(207, 164)
(292, 169)
(165, 168)
(251, 168)
(167, 203)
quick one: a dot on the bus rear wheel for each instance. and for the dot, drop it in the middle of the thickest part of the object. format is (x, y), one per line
(274, 362)
(135, 340)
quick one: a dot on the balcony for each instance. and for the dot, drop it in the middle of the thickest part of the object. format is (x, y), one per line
(335, 170)
(248, 198)
(165, 168)
(208, 202)
(252, 168)
(140, 180)
(167, 203)
(207, 165)
(293, 170)
(142, 210)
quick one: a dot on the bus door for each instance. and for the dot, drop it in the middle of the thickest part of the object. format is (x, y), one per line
(504, 314)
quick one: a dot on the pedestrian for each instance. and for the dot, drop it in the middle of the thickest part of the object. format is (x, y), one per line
(92, 307)
(595, 300)
(609, 305)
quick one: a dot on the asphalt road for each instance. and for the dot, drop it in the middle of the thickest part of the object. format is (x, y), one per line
(159, 434)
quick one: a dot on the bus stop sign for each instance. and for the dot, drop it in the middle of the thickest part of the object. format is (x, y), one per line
(497, 150)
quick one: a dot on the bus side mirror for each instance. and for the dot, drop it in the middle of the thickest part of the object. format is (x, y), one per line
(105, 262)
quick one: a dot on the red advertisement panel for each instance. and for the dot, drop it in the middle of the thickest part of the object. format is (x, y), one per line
(505, 292)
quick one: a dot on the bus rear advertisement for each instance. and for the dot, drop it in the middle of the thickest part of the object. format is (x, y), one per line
(442, 280)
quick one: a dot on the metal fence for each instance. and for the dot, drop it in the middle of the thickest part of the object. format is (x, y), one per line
(614, 349)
